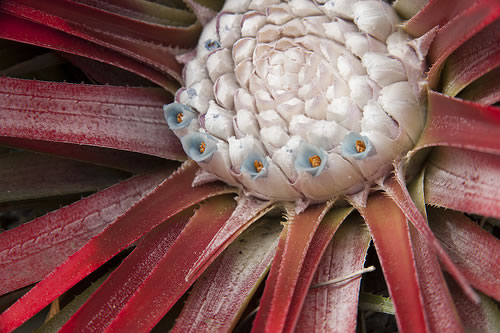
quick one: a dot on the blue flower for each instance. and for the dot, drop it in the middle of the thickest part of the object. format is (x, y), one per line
(211, 44)
(199, 146)
(255, 165)
(357, 146)
(310, 159)
(178, 115)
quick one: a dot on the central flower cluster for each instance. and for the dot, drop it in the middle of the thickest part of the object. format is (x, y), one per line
(300, 100)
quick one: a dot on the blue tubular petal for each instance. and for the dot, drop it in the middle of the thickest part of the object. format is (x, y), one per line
(306, 151)
(170, 111)
(191, 144)
(248, 166)
(349, 146)
(211, 44)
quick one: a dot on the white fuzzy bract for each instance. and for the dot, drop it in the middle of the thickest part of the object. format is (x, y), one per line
(301, 100)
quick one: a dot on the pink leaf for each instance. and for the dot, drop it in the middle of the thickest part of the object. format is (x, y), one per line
(133, 289)
(112, 117)
(31, 251)
(20, 30)
(334, 308)
(319, 243)
(475, 251)
(458, 31)
(219, 296)
(457, 123)
(463, 180)
(279, 289)
(389, 230)
(474, 58)
(129, 227)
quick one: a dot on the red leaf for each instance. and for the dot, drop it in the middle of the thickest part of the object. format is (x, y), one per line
(483, 317)
(112, 117)
(319, 243)
(435, 13)
(438, 303)
(485, 90)
(219, 296)
(279, 290)
(473, 59)
(475, 251)
(463, 180)
(457, 123)
(458, 31)
(334, 308)
(389, 230)
(30, 251)
(129, 227)
(148, 43)
(439, 306)
(20, 30)
(25, 175)
(117, 159)
(396, 189)
(132, 290)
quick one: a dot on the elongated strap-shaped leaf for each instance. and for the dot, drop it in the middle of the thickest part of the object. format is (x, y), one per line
(319, 243)
(457, 32)
(31, 251)
(148, 43)
(20, 30)
(155, 275)
(483, 317)
(279, 290)
(475, 251)
(439, 306)
(113, 294)
(170, 197)
(464, 180)
(265, 306)
(389, 230)
(396, 189)
(334, 308)
(248, 210)
(55, 323)
(485, 90)
(457, 123)
(435, 13)
(117, 159)
(113, 117)
(474, 58)
(26, 175)
(220, 295)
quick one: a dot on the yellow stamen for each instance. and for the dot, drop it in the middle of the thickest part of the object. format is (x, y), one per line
(202, 147)
(258, 165)
(360, 146)
(315, 161)
(180, 116)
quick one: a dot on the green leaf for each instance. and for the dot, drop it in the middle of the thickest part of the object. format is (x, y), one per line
(370, 302)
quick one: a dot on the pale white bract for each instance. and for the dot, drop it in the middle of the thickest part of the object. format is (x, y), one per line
(301, 100)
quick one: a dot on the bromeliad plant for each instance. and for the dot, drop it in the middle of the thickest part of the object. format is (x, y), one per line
(322, 111)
